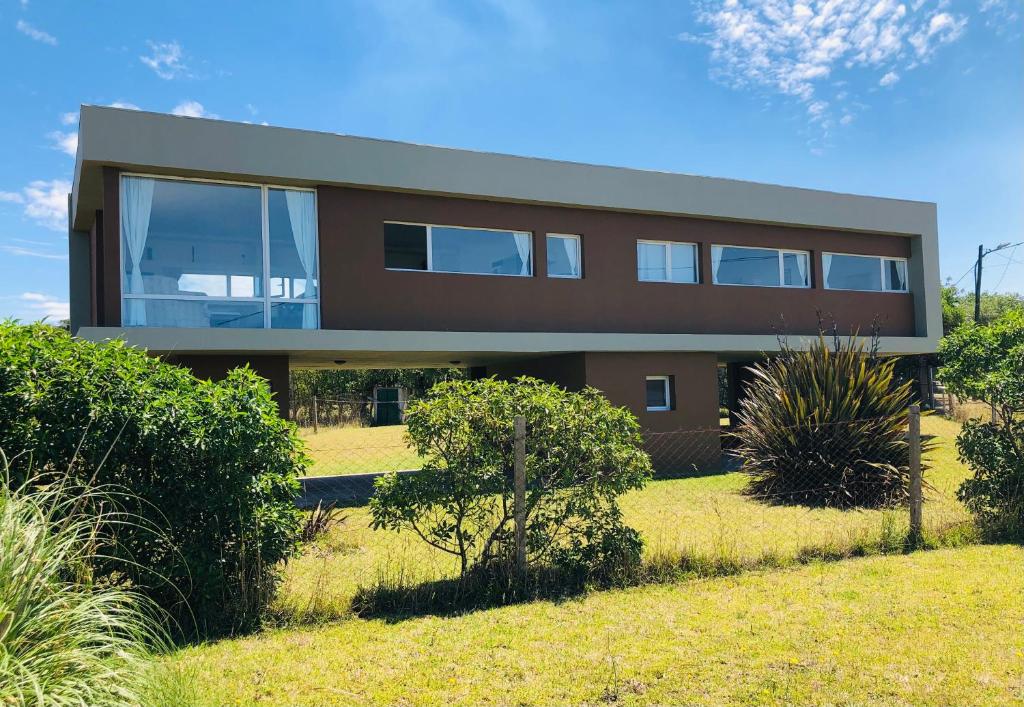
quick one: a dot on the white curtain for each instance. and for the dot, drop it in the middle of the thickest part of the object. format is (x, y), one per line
(801, 266)
(570, 245)
(826, 267)
(651, 261)
(136, 205)
(523, 246)
(716, 261)
(302, 215)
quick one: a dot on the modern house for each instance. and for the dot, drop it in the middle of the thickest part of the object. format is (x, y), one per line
(217, 243)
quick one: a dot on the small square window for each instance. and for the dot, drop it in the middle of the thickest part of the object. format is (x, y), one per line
(659, 393)
(405, 246)
(563, 256)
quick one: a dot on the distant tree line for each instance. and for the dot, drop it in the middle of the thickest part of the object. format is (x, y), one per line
(958, 306)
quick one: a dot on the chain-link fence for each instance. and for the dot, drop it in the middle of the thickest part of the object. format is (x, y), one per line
(821, 491)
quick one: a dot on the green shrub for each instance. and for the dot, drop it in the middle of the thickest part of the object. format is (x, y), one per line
(64, 639)
(581, 455)
(826, 426)
(987, 363)
(211, 464)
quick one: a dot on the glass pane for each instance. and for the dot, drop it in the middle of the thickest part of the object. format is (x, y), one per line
(183, 237)
(193, 313)
(656, 397)
(405, 247)
(896, 275)
(470, 250)
(563, 256)
(794, 269)
(293, 243)
(852, 272)
(684, 263)
(292, 315)
(651, 262)
(746, 266)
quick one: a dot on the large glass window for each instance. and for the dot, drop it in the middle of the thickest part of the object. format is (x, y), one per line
(455, 249)
(563, 255)
(198, 254)
(864, 272)
(762, 267)
(662, 261)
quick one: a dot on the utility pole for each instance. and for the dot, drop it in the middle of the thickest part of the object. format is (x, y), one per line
(977, 273)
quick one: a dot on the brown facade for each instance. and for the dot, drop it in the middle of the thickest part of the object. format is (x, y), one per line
(357, 292)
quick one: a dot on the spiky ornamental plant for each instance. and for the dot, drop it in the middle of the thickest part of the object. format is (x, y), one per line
(826, 426)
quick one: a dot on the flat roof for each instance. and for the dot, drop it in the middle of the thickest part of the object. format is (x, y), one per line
(220, 149)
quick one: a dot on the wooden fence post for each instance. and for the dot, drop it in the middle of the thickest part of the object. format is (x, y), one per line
(519, 499)
(315, 416)
(916, 498)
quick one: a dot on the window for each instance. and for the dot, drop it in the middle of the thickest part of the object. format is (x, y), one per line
(864, 272)
(659, 393)
(759, 267)
(661, 261)
(454, 249)
(200, 254)
(563, 255)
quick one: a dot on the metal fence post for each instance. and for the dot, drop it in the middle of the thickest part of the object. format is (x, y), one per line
(519, 499)
(916, 498)
(315, 416)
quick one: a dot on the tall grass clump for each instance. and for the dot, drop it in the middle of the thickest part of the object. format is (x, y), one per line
(65, 638)
(826, 426)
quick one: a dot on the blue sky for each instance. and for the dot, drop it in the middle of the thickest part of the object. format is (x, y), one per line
(922, 99)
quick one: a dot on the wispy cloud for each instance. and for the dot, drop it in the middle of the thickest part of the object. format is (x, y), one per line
(125, 105)
(166, 59)
(43, 201)
(795, 48)
(32, 252)
(65, 142)
(39, 306)
(192, 109)
(37, 34)
(70, 118)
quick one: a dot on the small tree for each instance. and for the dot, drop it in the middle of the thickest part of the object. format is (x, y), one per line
(987, 363)
(581, 455)
(826, 426)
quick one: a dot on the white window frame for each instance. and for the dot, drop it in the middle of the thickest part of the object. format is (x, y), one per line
(881, 271)
(430, 248)
(668, 261)
(266, 299)
(782, 268)
(579, 254)
(668, 394)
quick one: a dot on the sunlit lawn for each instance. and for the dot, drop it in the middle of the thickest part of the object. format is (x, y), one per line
(358, 450)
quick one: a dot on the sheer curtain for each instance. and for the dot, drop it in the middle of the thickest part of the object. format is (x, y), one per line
(302, 215)
(716, 262)
(523, 247)
(826, 267)
(570, 245)
(136, 205)
(801, 266)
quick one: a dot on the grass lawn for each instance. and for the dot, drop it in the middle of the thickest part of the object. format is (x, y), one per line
(358, 450)
(930, 628)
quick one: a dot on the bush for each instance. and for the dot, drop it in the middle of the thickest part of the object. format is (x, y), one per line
(63, 638)
(987, 363)
(826, 426)
(211, 463)
(581, 455)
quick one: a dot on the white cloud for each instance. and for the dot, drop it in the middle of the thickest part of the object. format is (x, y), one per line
(39, 306)
(37, 34)
(124, 105)
(69, 118)
(31, 252)
(793, 48)
(846, 119)
(192, 109)
(45, 202)
(889, 79)
(166, 59)
(65, 142)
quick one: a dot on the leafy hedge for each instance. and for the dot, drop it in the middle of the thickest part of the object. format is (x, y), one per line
(209, 463)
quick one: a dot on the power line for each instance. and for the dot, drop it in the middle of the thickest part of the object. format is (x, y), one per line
(1009, 260)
